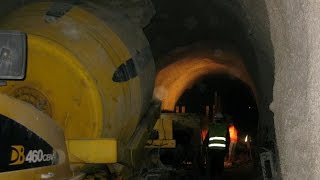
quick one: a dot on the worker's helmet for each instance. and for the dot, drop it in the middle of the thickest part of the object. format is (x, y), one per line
(218, 116)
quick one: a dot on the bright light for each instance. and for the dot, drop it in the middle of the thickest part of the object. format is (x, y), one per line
(249, 107)
(246, 139)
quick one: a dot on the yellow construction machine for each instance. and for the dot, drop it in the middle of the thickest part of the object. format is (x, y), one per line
(77, 83)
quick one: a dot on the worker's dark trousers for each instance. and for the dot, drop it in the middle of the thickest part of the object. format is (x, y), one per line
(215, 164)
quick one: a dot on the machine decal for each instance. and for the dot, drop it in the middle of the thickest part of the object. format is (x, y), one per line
(22, 148)
(125, 72)
(133, 66)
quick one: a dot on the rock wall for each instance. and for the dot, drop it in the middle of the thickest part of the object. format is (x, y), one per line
(295, 35)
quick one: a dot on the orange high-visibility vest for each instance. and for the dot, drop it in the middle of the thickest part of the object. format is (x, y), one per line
(233, 134)
(204, 133)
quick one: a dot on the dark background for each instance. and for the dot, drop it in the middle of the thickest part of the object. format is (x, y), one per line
(237, 100)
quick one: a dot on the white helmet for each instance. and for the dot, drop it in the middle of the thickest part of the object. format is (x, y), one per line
(218, 116)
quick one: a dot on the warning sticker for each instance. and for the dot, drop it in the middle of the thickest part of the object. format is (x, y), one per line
(21, 148)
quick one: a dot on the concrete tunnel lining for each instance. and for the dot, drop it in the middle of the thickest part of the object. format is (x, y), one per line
(174, 79)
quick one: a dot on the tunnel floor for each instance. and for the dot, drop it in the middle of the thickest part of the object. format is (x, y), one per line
(242, 167)
(241, 171)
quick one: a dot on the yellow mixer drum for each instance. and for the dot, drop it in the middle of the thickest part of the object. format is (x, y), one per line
(92, 73)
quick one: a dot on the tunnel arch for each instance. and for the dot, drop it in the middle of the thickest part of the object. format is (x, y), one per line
(189, 65)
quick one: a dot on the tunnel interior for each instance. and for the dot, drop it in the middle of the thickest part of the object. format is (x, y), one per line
(236, 99)
(228, 95)
(278, 42)
(210, 46)
(215, 44)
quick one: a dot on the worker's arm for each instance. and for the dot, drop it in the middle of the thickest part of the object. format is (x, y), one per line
(206, 140)
(227, 140)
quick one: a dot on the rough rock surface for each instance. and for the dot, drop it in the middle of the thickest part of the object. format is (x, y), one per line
(295, 35)
(139, 12)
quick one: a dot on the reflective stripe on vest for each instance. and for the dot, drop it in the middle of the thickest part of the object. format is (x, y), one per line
(217, 145)
(217, 142)
(217, 138)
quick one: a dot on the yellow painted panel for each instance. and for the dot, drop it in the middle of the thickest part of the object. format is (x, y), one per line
(36, 174)
(44, 127)
(67, 91)
(92, 150)
(70, 64)
(164, 127)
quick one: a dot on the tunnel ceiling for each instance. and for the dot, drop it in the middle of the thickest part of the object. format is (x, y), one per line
(190, 65)
(217, 24)
(181, 22)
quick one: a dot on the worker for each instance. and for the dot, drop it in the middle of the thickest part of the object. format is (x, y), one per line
(247, 141)
(203, 130)
(203, 143)
(218, 139)
(233, 142)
